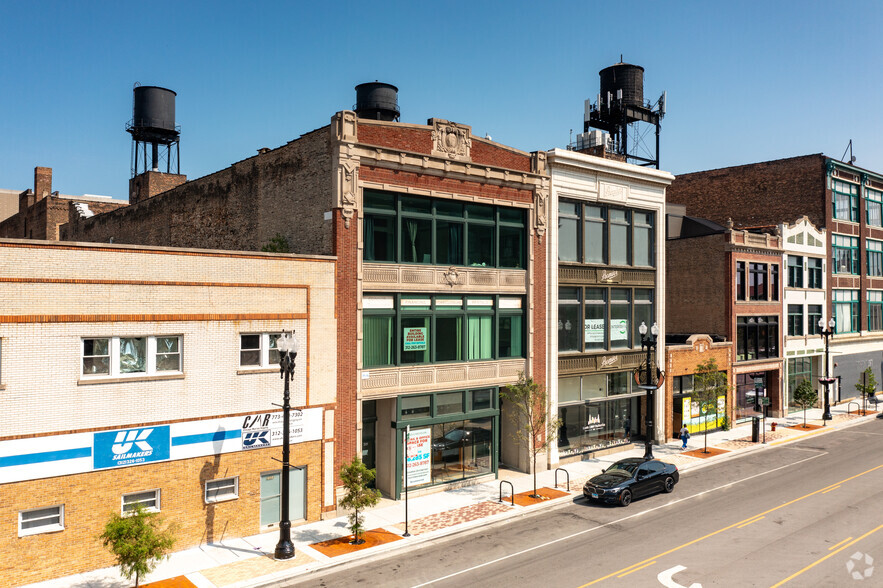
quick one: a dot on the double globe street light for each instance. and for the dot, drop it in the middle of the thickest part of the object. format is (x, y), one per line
(287, 346)
(827, 381)
(648, 343)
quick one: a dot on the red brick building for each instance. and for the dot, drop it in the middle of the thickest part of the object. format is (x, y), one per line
(846, 202)
(729, 284)
(440, 276)
(42, 212)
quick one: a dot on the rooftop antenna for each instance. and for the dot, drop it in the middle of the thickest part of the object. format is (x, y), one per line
(848, 150)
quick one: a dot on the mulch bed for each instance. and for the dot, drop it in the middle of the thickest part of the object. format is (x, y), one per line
(802, 427)
(861, 412)
(525, 499)
(342, 545)
(176, 582)
(702, 453)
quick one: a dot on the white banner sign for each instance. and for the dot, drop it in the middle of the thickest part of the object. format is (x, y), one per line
(418, 457)
(619, 330)
(594, 331)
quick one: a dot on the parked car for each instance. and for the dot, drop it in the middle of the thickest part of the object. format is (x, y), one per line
(631, 478)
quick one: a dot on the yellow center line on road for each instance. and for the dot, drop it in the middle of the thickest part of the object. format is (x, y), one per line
(754, 520)
(832, 554)
(636, 569)
(838, 544)
(831, 489)
(734, 525)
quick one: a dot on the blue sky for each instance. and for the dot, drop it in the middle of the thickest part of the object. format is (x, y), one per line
(746, 81)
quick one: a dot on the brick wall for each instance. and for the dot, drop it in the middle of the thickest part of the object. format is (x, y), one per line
(285, 191)
(151, 183)
(696, 285)
(89, 499)
(681, 360)
(755, 195)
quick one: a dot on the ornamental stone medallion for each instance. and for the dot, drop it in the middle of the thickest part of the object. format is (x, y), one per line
(451, 140)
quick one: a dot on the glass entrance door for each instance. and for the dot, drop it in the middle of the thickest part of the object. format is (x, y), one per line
(271, 493)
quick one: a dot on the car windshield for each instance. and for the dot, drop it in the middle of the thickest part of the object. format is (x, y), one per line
(624, 467)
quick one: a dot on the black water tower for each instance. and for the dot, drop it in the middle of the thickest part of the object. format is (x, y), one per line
(620, 106)
(377, 101)
(153, 125)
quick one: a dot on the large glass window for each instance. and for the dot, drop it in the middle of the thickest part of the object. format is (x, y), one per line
(795, 271)
(596, 411)
(757, 278)
(608, 318)
(408, 329)
(875, 257)
(589, 233)
(874, 205)
(411, 229)
(814, 272)
(795, 320)
(757, 337)
(846, 311)
(875, 310)
(845, 250)
(799, 370)
(845, 201)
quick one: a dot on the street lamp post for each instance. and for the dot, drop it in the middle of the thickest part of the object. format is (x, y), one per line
(648, 343)
(287, 346)
(827, 380)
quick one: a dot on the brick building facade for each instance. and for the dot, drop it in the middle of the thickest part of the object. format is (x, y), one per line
(104, 347)
(729, 284)
(841, 199)
(42, 212)
(434, 230)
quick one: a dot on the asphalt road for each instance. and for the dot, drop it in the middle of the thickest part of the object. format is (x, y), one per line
(790, 515)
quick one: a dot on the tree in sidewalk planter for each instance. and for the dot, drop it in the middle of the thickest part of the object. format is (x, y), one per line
(805, 395)
(356, 478)
(534, 425)
(708, 383)
(138, 541)
(867, 384)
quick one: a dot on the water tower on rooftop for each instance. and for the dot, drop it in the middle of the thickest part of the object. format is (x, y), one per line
(155, 135)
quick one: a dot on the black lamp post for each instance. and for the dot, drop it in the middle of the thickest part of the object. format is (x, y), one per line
(827, 381)
(287, 345)
(648, 343)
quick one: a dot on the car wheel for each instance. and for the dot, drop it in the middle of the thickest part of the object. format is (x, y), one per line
(625, 498)
(669, 484)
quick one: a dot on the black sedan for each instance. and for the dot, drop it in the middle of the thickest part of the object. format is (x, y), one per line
(631, 478)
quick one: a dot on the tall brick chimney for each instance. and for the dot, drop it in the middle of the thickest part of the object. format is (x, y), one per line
(42, 182)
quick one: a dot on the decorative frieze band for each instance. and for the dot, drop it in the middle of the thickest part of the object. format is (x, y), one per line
(586, 275)
(384, 277)
(383, 381)
(580, 364)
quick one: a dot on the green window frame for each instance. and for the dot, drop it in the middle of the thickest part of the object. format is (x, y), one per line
(795, 271)
(416, 329)
(874, 207)
(596, 234)
(795, 320)
(814, 273)
(846, 311)
(845, 252)
(813, 316)
(874, 252)
(399, 228)
(875, 310)
(845, 201)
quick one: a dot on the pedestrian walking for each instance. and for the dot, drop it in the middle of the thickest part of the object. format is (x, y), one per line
(685, 434)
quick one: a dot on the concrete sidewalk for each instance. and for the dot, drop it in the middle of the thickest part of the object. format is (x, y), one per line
(248, 562)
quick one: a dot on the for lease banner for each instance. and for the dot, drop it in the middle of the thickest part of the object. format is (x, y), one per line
(418, 457)
(415, 339)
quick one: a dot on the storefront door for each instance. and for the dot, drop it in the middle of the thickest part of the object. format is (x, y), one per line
(271, 492)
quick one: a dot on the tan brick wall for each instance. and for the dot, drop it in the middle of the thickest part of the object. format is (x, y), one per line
(681, 360)
(89, 499)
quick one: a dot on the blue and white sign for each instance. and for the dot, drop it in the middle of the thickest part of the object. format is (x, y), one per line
(112, 449)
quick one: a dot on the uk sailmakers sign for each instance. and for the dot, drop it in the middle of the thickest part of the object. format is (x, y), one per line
(112, 449)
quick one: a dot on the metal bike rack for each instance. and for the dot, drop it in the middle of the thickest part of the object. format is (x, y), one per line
(511, 491)
(858, 408)
(568, 477)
